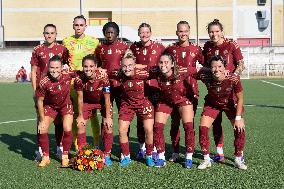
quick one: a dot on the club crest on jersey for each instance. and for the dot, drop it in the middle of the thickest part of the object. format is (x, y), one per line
(154, 52)
(50, 55)
(130, 84)
(183, 54)
(59, 87)
(109, 51)
(192, 54)
(168, 83)
(118, 51)
(144, 51)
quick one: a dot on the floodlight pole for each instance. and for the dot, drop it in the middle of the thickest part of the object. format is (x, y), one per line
(81, 11)
(196, 12)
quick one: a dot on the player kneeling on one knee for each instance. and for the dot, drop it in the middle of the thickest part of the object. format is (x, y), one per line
(225, 93)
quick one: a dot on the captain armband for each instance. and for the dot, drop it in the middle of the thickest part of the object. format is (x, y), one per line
(106, 89)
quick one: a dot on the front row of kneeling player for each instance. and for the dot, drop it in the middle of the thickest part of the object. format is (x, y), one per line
(175, 86)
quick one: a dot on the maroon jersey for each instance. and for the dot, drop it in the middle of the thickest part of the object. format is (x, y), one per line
(93, 90)
(187, 57)
(133, 89)
(222, 94)
(174, 91)
(56, 93)
(110, 55)
(147, 55)
(41, 55)
(229, 50)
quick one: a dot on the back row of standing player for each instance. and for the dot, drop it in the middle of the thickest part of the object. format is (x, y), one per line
(147, 52)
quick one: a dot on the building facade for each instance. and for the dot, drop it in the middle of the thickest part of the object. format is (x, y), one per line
(250, 22)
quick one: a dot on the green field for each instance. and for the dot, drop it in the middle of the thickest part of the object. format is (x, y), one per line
(264, 116)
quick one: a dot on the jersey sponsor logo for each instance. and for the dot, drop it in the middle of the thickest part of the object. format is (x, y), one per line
(109, 51)
(183, 54)
(59, 87)
(217, 52)
(144, 51)
(50, 55)
(106, 89)
(79, 46)
(218, 89)
(192, 54)
(154, 52)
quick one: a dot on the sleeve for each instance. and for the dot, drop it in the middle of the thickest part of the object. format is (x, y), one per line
(65, 56)
(237, 84)
(204, 53)
(236, 51)
(40, 91)
(97, 54)
(106, 85)
(200, 57)
(34, 59)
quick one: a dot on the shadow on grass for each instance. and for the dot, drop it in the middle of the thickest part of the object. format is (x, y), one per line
(25, 144)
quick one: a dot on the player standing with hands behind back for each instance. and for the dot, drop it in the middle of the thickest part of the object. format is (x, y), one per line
(79, 45)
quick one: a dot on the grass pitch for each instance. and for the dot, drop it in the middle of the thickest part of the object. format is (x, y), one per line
(264, 117)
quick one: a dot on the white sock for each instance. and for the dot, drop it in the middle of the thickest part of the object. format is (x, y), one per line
(238, 158)
(142, 146)
(206, 157)
(162, 156)
(126, 156)
(59, 149)
(188, 155)
(40, 151)
(220, 150)
(154, 149)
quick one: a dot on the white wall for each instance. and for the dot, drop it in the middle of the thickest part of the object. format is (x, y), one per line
(258, 57)
(11, 61)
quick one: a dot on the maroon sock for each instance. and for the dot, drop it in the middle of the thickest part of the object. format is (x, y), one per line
(218, 131)
(44, 143)
(58, 133)
(107, 141)
(175, 137)
(149, 149)
(189, 137)
(67, 141)
(140, 132)
(159, 139)
(175, 131)
(204, 139)
(125, 148)
(239, 143)
(81, 140)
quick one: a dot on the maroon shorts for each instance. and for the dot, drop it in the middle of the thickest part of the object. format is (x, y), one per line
(53, 112)
(213, 112)
(127, 113)
(166, 108)
(90, 109)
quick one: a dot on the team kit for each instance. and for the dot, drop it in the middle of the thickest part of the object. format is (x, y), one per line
(75, 80)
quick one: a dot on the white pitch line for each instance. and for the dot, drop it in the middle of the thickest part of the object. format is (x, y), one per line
(23, 120)
(273, 83)
(199, 107)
